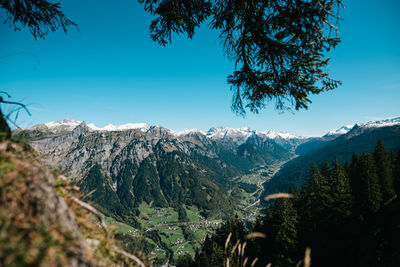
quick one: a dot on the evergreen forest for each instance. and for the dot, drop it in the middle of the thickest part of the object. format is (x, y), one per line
(345, 215)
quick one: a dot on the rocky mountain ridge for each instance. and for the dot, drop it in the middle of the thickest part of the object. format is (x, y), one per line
(154, 164)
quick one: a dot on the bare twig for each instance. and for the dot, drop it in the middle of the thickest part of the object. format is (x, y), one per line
(23, 53)
(328, 12)
(15, 103)
(2, 92)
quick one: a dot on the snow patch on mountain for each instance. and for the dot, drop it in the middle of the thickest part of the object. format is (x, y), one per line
(213, 133)
(342, 130)
(223, 132)
(382, 123)
(187, 132)
(123, 127)
(70, 124)
(274, 134)
(371, 124)
(53, 126)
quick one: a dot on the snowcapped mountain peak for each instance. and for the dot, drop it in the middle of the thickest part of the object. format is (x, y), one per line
(342, 130)
(222, 132)
(187, 131)
(274, 134)
(69, 123)
(57, 126)
(371, 124)
(382, 123)
(242, 133)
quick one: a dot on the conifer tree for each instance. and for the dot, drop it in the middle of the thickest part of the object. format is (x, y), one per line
(370, 197)
(396, 172)
(355, 183)
(347, 168)
(341, 193)
(308, 199)
(284, 222)
(314, 208)
(326, 169)
(384, 172)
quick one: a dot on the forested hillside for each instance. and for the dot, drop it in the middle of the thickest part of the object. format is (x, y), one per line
(347, 215)
(359, 139)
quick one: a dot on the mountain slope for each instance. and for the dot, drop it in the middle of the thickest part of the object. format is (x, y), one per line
(121, 167)
(358, 139)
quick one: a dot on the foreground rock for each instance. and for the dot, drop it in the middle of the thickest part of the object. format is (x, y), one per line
(38, 228)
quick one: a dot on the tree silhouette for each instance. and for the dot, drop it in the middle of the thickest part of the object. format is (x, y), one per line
(278, 46)
(39, 16)
(384, 171)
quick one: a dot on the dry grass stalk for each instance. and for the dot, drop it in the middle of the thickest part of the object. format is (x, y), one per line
(227, 262)
(253, 263)
(129, 256)
(88, 194)
(88, 207)
(307, 257)
(278, 195)
(227, 241)
(234, 247)
(243, 247)
(268, 265)
(245, 261)
(255, 234)
(239, 252)
(299, 263)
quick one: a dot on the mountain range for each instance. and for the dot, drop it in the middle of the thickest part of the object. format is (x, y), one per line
(119, 167)
(339, 144)
(123, 166)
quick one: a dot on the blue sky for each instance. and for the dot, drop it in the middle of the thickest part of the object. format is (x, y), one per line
(110, 71)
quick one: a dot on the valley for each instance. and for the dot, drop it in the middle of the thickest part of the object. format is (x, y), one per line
(163, 191)
(179, 237)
